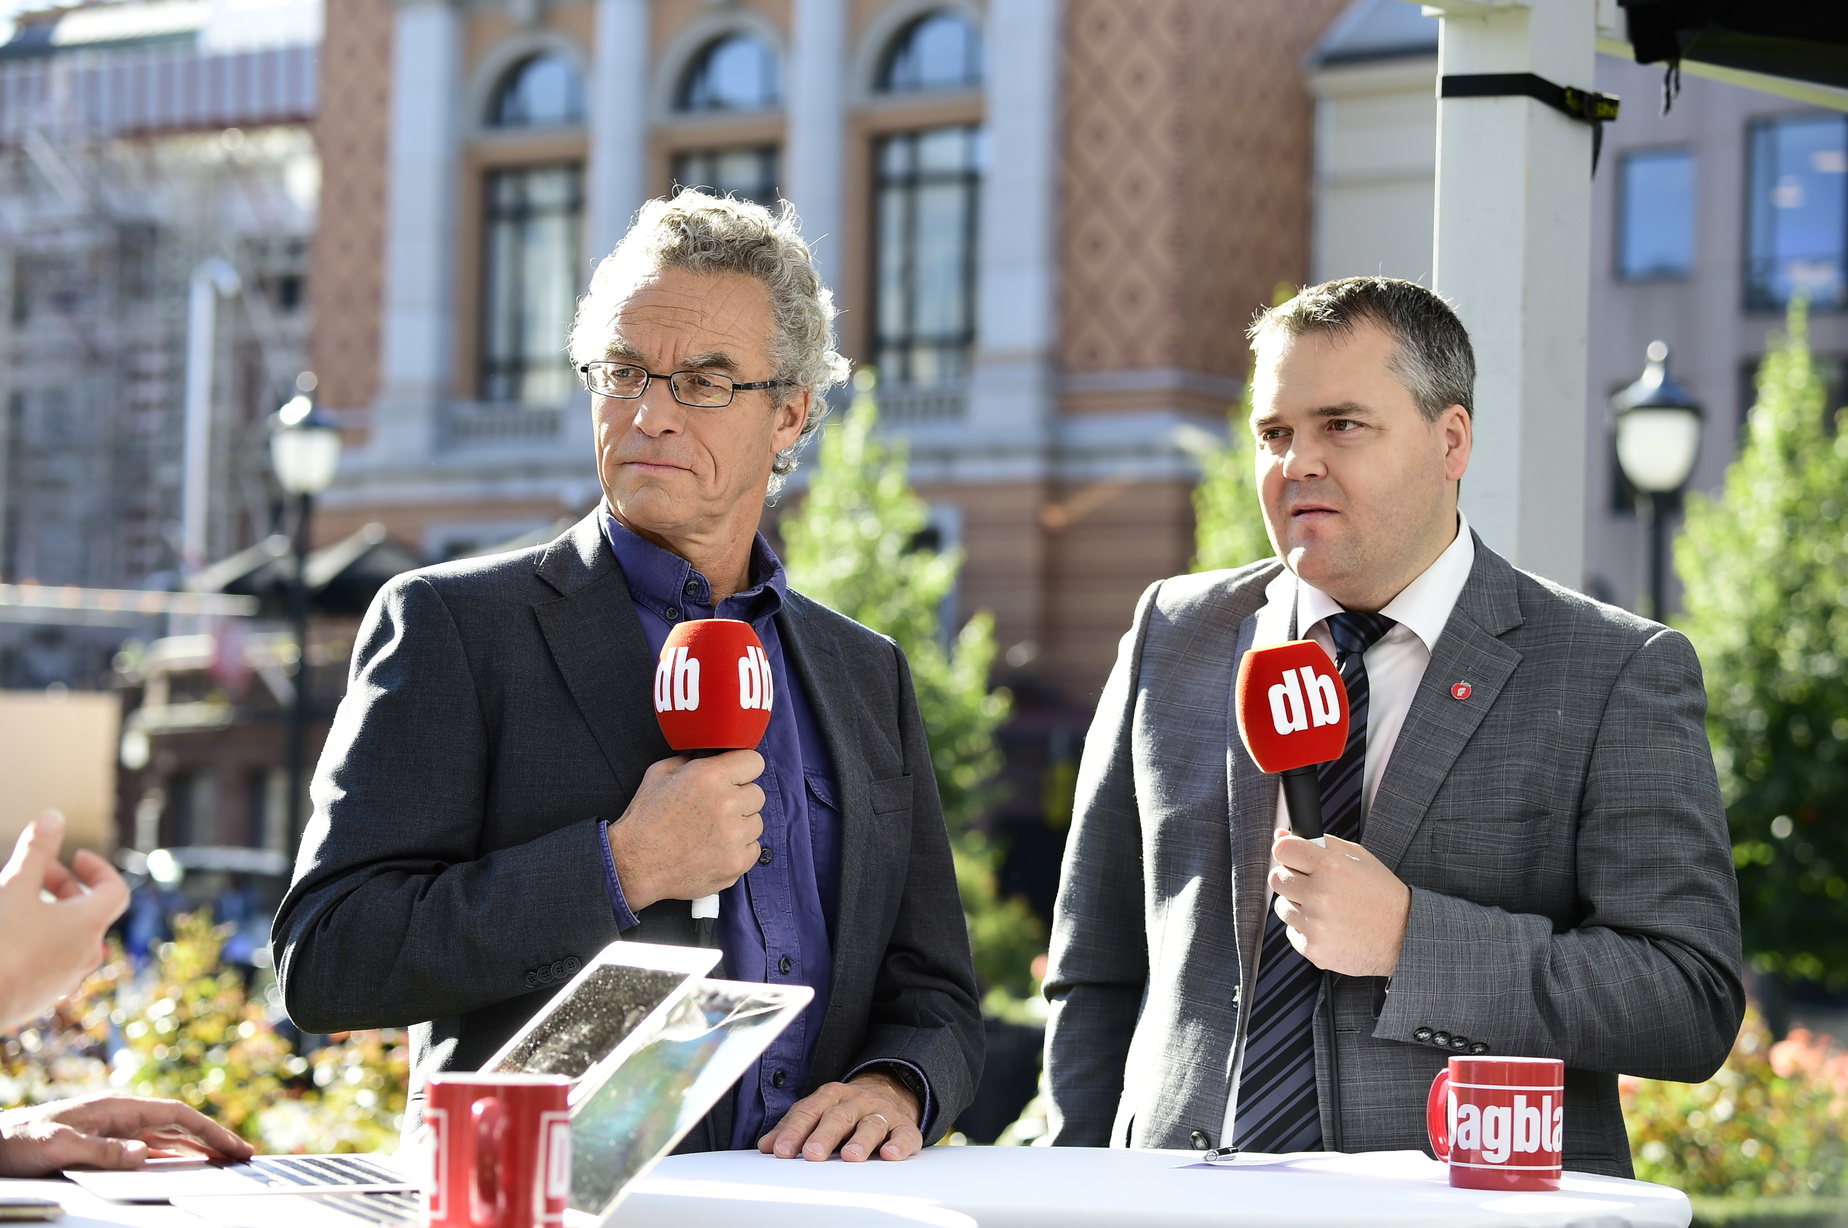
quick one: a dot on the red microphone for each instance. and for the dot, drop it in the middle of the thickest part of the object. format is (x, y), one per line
(713, 692)
(1293, 717)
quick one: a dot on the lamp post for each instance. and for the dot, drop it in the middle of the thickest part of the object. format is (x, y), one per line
(1658, 439)
(305, 452)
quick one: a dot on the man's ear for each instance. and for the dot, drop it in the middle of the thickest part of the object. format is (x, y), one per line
(790, 417)
(1457, 430)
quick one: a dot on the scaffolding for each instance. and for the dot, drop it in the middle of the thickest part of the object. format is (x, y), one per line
(120, 170)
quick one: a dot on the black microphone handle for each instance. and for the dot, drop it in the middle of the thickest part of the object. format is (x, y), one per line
(1302, 794)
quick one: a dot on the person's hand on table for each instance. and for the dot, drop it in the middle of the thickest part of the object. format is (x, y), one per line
(872, 1112)
(52, 945)
(108, 1132)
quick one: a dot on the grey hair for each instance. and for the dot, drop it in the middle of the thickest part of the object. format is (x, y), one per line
(702, 233)
(1431, 351)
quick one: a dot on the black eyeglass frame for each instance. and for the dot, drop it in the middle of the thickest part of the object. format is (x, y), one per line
(583, 374)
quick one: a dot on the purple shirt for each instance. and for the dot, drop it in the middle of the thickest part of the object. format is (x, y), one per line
(774, 922)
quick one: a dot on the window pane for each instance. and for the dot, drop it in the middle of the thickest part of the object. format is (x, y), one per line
(925, 214)
(748, 173)
(734, 73)
(539, 91)
(1655, 231)
(534, 217)
(1798, 220)
(940, 51)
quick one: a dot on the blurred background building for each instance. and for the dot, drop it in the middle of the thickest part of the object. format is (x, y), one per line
(135, 141)
(1045, 223)
(1707, 219)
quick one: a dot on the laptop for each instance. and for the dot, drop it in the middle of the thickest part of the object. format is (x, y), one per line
(625, 1115)
(621, 997)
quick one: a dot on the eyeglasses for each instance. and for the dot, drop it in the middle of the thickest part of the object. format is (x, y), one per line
(696, 389)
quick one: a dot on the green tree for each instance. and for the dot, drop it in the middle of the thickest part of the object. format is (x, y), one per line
(1767, 607)
(1228, 520)
(852, 545)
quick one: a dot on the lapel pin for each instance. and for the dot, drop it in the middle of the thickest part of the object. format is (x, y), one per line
(1460, 691)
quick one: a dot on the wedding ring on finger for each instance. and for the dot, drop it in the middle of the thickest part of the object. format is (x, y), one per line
(882, 1121)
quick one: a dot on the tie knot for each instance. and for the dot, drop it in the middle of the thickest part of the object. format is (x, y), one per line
(1356, 632)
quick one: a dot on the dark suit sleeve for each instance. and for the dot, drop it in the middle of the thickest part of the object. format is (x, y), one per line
(924, 1007)
(1649, 981)
(1099, 960)
(395, 915)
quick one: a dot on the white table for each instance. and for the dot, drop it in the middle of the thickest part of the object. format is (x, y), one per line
(1060, 1187)
(85, 1210)
(1030, 1187)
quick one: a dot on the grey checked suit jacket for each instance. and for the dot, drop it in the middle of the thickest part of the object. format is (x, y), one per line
(1561, 830)
(497, 709)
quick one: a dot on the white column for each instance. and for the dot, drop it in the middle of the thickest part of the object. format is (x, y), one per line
(1513, 253)
(1011, 392)
(419, 227)
(814, 152)
(618, 124)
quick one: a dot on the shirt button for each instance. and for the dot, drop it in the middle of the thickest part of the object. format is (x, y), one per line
(1422, 1035)
(1459, 1043)
(690, 588)
(1199, 1140)
(1440, 1039)
(778, 1079)
(764, 856)
(673, 613)
(1477, 1047)
(783, 966)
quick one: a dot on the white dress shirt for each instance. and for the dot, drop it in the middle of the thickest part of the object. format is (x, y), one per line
(1395, 664)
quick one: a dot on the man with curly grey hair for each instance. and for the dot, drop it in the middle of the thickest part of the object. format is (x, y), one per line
(496, 801)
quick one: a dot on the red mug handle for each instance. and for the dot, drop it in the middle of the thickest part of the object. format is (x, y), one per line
(487, 1202)
(1437, 1114)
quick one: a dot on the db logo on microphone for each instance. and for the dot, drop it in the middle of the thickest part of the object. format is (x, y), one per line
(755, 688)
(1286, 700)
(1292, 706)
(677, 682)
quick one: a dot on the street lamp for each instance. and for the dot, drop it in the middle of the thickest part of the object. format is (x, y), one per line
(1658, 439)
(305, 452)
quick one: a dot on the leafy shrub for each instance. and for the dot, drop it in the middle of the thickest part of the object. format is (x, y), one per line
(853, 546)
(1773, 1121)
(190, 1029)
(1766, 570)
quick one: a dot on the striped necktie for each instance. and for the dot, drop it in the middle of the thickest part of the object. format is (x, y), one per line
(1277, 1108)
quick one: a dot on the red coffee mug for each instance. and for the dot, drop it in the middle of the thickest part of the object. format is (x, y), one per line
(1499, 1121)
(499, 1150)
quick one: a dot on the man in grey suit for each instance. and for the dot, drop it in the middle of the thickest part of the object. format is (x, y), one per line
(496, 801)
(1527, 850)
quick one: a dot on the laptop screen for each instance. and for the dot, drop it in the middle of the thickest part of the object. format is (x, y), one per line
(581, 1029)
(666, 1086)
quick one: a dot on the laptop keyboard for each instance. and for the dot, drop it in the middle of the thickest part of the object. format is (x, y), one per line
(392, 1210)
(283, 1172)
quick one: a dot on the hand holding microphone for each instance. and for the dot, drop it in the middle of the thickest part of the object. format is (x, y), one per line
(1293, 718)
(692, 829)
(1346, 911)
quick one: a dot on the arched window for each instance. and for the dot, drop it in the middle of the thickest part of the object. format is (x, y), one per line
(542, 90)
(941, 50)
(735, 72)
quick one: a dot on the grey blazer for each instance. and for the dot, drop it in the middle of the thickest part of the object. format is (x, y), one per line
(1561, 830)
(453, 869)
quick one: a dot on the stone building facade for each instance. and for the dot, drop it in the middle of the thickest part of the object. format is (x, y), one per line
(1049, 221)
